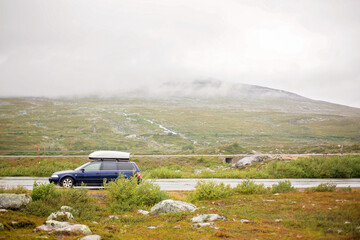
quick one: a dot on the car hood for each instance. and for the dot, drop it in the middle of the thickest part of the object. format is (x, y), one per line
(64, 172)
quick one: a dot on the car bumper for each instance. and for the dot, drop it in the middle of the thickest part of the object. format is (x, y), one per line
(54, 180)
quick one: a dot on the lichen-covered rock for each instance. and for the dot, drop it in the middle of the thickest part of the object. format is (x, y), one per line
(249, 160)
(67, 209)
(170, 205)
(14, 201)
(143, 212)
(57, 215)
(91, 237)
(207, 218)
(56, 226)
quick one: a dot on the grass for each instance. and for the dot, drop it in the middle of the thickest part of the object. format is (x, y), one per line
(212, 126)
(200, 167)
(304, 215)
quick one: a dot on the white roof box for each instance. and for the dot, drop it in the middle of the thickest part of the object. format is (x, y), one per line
(110, 155)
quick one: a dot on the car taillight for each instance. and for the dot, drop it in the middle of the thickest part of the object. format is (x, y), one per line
(138, 174)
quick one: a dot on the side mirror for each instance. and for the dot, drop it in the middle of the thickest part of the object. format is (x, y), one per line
(82, 170)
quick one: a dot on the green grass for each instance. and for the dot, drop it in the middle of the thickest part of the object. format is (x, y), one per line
(199, 167)
(60, 126)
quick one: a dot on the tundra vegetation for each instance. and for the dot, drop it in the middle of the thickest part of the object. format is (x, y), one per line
(176, 126)
(252, 212)
(200, 167)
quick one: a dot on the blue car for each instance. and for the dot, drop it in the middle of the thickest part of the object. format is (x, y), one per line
(105, 165)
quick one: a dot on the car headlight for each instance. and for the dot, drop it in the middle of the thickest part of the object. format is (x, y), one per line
(54, 176)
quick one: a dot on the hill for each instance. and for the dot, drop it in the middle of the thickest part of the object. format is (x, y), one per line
(203, 116)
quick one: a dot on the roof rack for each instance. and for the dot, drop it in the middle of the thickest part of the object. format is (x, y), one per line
(110, 155)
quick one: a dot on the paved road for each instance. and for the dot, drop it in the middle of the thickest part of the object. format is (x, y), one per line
(189, 184)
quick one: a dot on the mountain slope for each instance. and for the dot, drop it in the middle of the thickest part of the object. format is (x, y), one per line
(179, 118)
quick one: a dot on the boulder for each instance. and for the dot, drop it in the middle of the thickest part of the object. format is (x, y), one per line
(56, 226)
(207, 218)
(143, 212)
(14, 201)
(91, 237)
(170, 205)
(56, 215)
(249, 160)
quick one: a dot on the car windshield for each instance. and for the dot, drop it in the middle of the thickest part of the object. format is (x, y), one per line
(82, 166)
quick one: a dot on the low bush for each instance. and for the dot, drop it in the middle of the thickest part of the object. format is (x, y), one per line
(126, 195)
(209, 191)
(18, 189)
(324, 187)
(283, 187)
(82, 203)
(344, 189)
(250, 187)
(43, 191)
(164, 172)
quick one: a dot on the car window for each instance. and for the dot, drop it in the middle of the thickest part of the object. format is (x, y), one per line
(109, 166)
(125, 166)
(94, 166)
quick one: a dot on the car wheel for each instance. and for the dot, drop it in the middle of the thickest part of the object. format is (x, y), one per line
(67, 182)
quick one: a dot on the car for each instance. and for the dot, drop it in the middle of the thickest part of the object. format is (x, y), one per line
(105, 166)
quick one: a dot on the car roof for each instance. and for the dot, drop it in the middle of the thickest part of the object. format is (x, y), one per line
(110, 155)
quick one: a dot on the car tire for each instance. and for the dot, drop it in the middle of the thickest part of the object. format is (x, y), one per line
(67, 182)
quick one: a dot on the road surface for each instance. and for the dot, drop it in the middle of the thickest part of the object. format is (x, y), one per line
(189, 184)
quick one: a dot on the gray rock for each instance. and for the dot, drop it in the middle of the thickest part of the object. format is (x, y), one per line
(170, 205)
(67, 209)
(3, 210)
(14, 201)
(91, 237)
(249, 160)
(199, 225)
(207, 218)
(244, 221)
(152, 227)
(1, 226)
(143, 212)
(55, 215)
(56, 226)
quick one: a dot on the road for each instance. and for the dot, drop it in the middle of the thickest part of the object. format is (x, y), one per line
(189, 184)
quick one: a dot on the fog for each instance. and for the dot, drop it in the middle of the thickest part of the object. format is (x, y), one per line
(65, 48)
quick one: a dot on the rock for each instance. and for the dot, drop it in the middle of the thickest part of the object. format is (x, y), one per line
(244, 221)
(56, 215)
(3, 210)
(278, 220)
(347, 222)
(56, 226)
(1, 226)
(249, 160)
(207, 218)
(199, 225)
(152, 227)
(177, 227)
(14, 201)
(91, 237)
(115, 217)
(143, 212)
(170, 205)
(67, 209)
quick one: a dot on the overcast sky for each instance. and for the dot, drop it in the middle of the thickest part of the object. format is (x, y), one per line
(67, 47)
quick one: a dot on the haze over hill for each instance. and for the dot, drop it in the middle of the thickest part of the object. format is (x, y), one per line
(203, 116)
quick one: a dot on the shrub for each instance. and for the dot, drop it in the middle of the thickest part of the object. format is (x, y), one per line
(283, 187)
(250, 187)
(164, 172)
(324, 187)
(209, 191)
(78, 199)
(18, 189)
(43, 191)
(124, 194)
(344, 189)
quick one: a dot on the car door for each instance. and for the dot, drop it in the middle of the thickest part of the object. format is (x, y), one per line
(91, 174)
(108, 171)
(126, 169)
